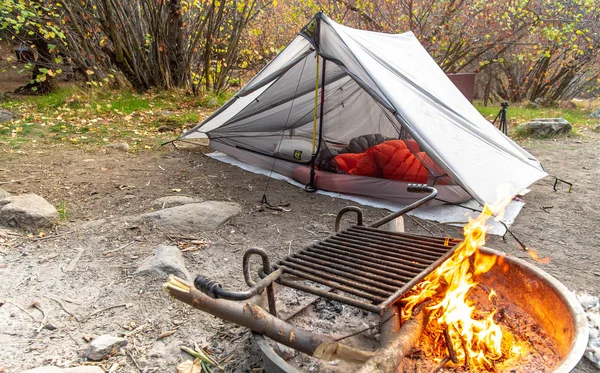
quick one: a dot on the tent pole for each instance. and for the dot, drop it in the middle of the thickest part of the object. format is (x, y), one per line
(311, 184)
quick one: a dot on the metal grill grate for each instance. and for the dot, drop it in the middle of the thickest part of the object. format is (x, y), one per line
(373, 267)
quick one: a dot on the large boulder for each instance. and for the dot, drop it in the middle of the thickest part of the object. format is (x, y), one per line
(167, 260)
(595, 114)
(193, 217)
(545, 127)
(29, 212)
(7, 116)
(104, 345)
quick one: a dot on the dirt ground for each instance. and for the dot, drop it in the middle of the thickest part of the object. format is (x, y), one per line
(102, 296)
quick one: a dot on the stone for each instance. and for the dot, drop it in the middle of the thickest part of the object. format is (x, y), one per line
(170, 201)
(595, 114)
(29, 212)
(597, 128)
(53, 369)
(120, 146)
(7, 116)
(284, 351)
(192, 218)
(103, 345)
(4, 194)
(545, 127)
(167, 260)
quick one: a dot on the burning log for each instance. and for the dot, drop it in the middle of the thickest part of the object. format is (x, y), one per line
(258, 320)
(390, 356)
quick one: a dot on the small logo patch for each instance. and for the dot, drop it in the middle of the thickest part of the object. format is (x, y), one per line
(298, 154)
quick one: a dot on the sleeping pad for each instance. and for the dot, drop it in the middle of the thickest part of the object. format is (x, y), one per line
(390, 160)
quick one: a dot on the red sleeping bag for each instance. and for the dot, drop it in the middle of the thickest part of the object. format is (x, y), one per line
(391, 160)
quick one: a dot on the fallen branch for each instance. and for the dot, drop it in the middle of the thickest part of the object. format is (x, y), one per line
(389, 357)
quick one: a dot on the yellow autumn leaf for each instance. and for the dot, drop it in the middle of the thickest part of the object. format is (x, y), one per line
(89, 72)
(189, 366)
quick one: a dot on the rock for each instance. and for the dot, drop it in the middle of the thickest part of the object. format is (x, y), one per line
(7, 116)
(4, 194)
(170, 201)
(544, 127)
(597, 129)
(193, 217)
(167, 260)
(120, 146)
(595, 114)
(103, 345)
(52, 369)
(28, 212)
(284, 351)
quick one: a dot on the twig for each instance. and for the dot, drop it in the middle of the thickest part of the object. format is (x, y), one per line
(451, 351)
(467, 363)
(134, 362)
(136, 330)
(62, 305)
(167, 333)
(420, 225)
(117, 249)
(50, 237)
(21, 308)
(15, 181)
(442, 364)
(173, 238)
(107, 308)
(417, 309)
(38, 307)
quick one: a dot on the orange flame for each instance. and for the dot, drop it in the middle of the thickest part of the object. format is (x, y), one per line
(474, 335)
(534, 255)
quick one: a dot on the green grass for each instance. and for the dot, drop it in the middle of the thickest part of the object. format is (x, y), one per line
(93, 117)
(520, 113)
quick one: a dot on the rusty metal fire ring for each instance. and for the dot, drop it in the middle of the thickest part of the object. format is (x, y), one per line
(534, 282)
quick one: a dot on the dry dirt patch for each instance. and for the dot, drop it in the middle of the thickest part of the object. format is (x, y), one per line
(102, 296)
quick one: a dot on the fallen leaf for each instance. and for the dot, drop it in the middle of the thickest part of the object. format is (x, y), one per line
(189, 366)
(176, 190)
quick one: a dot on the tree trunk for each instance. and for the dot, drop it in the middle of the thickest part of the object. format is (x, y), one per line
(177, 68)
(41, 83)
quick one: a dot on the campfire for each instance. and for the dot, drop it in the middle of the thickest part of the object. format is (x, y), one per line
(464, 328)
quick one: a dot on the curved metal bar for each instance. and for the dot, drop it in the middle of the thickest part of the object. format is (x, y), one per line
(246, 261)
(412, 188)
(357, 210)
(214, 289)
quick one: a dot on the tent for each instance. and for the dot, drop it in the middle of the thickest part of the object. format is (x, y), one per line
(336, 95)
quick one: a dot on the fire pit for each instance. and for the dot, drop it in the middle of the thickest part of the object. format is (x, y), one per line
(548, 301)
(464, 305)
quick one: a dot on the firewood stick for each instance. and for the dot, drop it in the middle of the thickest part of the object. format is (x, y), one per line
(390, 356)
(451, 351)
(442, 364)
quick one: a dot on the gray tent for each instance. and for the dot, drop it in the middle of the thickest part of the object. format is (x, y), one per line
(377, 87)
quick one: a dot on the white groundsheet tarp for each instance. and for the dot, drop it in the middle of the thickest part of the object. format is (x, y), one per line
(447, 214)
